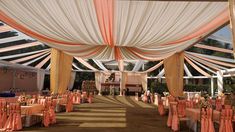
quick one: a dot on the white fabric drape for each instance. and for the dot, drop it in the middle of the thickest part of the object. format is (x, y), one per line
(98, 80)
(138, 65)
(72, 79)
(149, 30)
(144, 81)
(100, 65)
(40, 79)
(85, 63)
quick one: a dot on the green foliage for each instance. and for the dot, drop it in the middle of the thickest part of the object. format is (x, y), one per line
(130, 66)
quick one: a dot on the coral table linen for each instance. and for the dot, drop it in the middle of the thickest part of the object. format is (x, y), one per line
(31, 109)
(194, 114)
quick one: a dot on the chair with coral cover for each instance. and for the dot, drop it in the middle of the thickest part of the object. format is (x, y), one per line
(181, 108)
(176, 118)
(13, 122)
(90, 98)
(226, 120)
(77, 98)
(206, 120)
(161, 109)
(218, 104)
(69, 105)
(3, 113)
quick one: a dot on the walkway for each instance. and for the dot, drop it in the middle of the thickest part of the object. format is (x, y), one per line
(109, 114)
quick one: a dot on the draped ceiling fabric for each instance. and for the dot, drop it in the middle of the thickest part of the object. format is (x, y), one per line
(61, 65)
(174, 72)
(115, 29)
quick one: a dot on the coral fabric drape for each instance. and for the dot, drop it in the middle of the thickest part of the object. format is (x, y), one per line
(61, 65)
(174, 71)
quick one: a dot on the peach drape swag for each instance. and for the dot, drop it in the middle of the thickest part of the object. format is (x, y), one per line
(61, 65)
(174, 71)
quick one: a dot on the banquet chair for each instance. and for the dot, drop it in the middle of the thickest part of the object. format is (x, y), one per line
(226, 120)
(190, 104)
(52, 106)
(13, 122)
(77, 98)
(69, 105)
(90, 98)
(161, 109)
(218, 104)
(84, 97)
(176, 118)
(46, 114)
(3, 113)
(31, 101)
(181, 108)
(206, 116)
(42, 101)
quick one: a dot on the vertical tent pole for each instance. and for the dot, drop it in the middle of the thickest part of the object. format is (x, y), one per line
(220, 82)
(212, 87)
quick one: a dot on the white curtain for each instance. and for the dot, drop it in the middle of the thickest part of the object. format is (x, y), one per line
(98, 80)
(40, 79)
(72, 79)
(144, 81)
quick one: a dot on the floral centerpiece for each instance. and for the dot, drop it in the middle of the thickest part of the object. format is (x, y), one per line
(22, 100)
(204, 102)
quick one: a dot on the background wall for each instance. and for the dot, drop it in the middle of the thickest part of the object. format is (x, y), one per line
(25, 81)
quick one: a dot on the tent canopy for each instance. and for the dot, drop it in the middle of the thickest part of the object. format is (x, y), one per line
(115, 29)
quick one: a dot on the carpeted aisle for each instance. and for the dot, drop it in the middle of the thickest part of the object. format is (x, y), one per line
(108, 114)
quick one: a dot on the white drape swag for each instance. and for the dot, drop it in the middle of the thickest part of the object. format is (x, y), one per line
(72, 79)
(40, 79)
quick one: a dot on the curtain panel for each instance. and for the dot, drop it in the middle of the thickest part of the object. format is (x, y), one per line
(71, 81)
(174, 72)
(98, 80)
(61, 65)
(40, 79)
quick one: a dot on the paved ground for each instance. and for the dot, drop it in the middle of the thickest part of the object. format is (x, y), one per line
(109, 114)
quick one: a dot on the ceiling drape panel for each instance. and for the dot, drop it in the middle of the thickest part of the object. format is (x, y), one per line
(86, 64)
(174, 72)
(115, 29)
